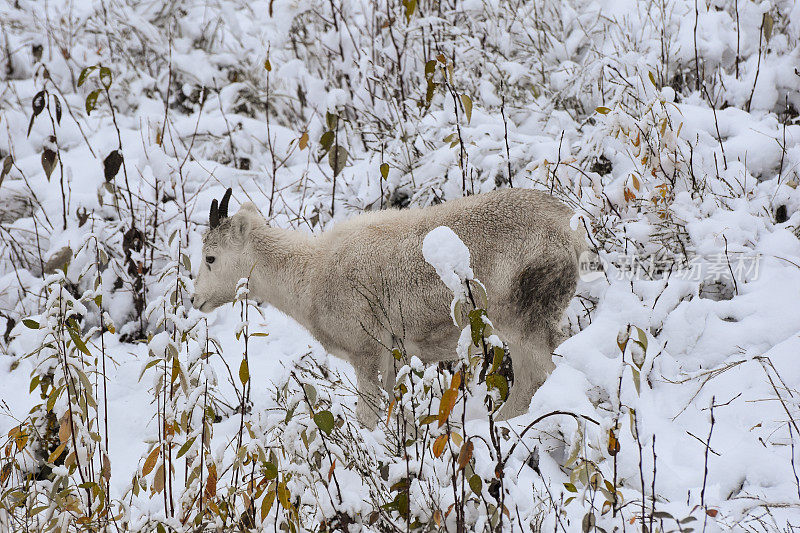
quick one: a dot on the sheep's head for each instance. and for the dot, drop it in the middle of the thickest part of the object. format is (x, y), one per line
(227, 256)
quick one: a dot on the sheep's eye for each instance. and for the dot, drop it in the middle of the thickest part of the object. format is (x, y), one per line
(210, 259)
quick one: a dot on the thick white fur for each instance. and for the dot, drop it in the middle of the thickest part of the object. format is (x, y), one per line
(364, 287)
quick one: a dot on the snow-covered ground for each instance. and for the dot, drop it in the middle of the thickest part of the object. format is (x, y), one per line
(669, 126)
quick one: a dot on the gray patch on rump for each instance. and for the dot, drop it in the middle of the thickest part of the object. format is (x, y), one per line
(543, 291)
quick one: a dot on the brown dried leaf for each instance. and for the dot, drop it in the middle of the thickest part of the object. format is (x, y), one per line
(49, 158)
(465, 454)
(211, 482)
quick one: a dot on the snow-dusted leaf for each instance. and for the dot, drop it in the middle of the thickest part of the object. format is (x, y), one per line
(85, 73)
(105, 77)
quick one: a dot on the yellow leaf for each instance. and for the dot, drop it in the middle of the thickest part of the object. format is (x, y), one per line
(438, 445)
(57, 453)
(303, 143)
(158, 480)
(244, 372)
(65, 429)
(283, 496)
(176, 368)
(467, 101)
(150, 462)
(603, 110)
(446, 405)
(266, 504)
(267, 65)
(456, 381)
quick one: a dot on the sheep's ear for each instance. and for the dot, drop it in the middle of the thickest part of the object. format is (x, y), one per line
(240, 229)
(250, 209)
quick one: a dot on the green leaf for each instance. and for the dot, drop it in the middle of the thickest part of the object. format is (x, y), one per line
(32, 324)
(244, 372)
(411, 6)
(476, 484)
(603, 110)
(337, 158)
(185, 447)
(91, 101)
(326, 141)
(324, 421)
(385, 170)
(570, 487)
(467, 101)
(768, 23)
(311, 393)
(652, 79)
(8, 162)
(331, 120)
(270, 470)
(497, 360)
(79, 342)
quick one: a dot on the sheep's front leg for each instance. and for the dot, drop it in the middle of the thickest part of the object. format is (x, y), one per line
(368, 392)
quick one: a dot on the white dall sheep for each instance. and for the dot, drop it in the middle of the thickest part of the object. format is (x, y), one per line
(363, 287)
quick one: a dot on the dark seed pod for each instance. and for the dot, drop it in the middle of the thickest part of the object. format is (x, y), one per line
(780, 214)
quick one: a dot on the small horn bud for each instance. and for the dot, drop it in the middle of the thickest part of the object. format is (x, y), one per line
(213, 216)
(223, 204)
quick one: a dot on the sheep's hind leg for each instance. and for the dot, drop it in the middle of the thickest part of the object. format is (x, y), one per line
(532, 361)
